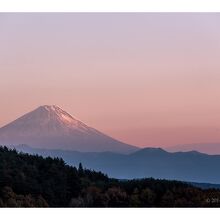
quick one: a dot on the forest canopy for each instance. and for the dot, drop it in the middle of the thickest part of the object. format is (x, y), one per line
(33, 181)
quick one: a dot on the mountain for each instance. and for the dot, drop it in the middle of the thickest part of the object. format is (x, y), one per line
(149, 162)
(208, 148)
(50, 127)
(205, 185)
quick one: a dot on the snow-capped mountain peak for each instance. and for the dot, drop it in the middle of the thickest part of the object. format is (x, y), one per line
(56, 113)
(49, 126)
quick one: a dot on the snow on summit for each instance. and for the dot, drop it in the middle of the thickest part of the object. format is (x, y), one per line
(46, 120)
(54, 113)
(49, 126)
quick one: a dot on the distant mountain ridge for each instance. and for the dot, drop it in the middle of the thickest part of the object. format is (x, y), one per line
(208, 148)
(51, 127)
(148, 162)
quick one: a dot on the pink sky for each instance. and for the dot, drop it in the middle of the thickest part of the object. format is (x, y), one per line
(145, 79)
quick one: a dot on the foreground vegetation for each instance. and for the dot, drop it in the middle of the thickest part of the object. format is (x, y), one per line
(34, 181)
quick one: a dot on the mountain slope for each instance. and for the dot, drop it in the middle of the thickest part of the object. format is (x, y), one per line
(52, 128)
(149, 162)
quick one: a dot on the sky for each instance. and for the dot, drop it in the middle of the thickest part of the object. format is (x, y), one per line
(147, 79)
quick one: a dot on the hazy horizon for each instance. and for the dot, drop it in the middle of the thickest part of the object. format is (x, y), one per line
(147, 79)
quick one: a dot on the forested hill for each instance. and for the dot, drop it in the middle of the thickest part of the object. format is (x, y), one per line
(34, 181)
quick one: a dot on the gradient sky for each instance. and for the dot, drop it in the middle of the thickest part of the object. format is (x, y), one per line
(147, 79)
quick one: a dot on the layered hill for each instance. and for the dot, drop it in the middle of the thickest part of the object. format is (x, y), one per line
(34, 181)
(207, 148)
(189, 166)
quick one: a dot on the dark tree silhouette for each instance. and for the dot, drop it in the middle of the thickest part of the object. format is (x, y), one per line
(34, 181)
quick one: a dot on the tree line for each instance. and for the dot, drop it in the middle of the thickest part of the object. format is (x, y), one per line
(33, 181)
